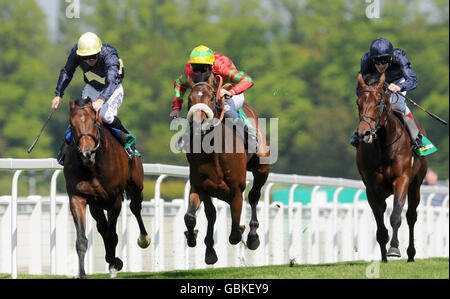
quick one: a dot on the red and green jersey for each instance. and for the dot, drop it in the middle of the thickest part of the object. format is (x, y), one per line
(224, 67)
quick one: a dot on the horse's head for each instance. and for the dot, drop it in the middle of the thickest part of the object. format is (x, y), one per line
(203, 103)
(373, 107)
(85, 128)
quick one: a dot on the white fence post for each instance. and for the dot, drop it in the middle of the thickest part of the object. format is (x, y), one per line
(15, 182)
(53, 222)
(266, 223)
(35, 263)
(291, 223)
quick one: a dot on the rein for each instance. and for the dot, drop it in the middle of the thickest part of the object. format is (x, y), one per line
(216, 104)
(364, 118)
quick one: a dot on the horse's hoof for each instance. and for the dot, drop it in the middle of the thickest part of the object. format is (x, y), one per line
(410, 260)
(393, 252)
(210, 256)
(235, 237)
(253, 241)
(191, 238)
(115, 267)
(143, 241)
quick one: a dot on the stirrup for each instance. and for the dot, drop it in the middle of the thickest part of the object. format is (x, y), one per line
(130, 152)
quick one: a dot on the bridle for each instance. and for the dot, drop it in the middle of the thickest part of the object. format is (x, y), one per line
(381, 103)
(217, 104)
(95, 138)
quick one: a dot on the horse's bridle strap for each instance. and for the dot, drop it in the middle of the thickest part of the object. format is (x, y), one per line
(95, 138)
(377, 119)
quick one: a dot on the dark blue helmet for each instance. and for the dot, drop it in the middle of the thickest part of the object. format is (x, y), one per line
(381, 47)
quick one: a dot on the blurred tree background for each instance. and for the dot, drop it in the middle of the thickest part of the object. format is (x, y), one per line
(303, 56)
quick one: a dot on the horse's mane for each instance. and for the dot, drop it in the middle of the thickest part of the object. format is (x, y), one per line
(83, 102)
(371, 78)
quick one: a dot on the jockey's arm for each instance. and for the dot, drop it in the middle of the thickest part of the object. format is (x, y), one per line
(66, 74)
(410, 76)
(112, 66)
(241, 81)
(180, 86)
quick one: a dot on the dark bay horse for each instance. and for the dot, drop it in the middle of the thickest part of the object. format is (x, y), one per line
(97, 172)
(220, 173)
(387, 165)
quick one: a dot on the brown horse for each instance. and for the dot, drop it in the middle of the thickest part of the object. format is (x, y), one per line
(97, 172)
(387, 165)
(220, 173)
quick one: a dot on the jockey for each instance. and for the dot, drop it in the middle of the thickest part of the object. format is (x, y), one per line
(383, 58)
(201, 63)
(103, 74)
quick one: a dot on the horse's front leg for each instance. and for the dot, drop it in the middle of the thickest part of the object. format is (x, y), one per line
(189, 217)
(115, 264)
(400, 191)
(78, 210)
(378, 206)
(210, 211)
(411, 217)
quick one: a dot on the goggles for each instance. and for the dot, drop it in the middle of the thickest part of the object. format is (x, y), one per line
(382, 60)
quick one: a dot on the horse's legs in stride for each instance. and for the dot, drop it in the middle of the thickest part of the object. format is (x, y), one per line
(236, 209)
(134, 192)
(189, 217)
(210, 211)
(78, 209)
(411, 217)
(136, 207)
(253, 197)
(400, 189)
(115, 264)
(378, 208)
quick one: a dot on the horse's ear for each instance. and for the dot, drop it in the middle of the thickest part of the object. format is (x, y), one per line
(361, 81)
(381, 81)
(71, 104)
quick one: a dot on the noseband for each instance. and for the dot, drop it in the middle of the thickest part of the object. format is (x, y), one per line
(95, 138)
(364, 118)
(217, 105)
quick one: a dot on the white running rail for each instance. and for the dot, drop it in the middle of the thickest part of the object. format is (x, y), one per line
(37, 233)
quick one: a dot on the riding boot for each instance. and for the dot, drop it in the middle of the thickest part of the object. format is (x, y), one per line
(414, 133)
(250, 139)
(124, 136)
(61, 154)
(62, 151)
(354, 140)
(247, 134)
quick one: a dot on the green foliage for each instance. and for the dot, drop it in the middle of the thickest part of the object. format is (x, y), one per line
(302, 55)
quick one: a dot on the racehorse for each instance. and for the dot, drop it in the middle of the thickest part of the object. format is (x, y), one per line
(97, 172)
(387, 165)
(222, 174)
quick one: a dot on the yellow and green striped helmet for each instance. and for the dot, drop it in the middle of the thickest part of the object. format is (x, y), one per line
(202, 55)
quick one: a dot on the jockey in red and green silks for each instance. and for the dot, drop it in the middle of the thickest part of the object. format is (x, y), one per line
(202, 62)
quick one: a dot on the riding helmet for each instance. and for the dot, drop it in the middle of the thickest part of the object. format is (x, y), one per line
(381, 47)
